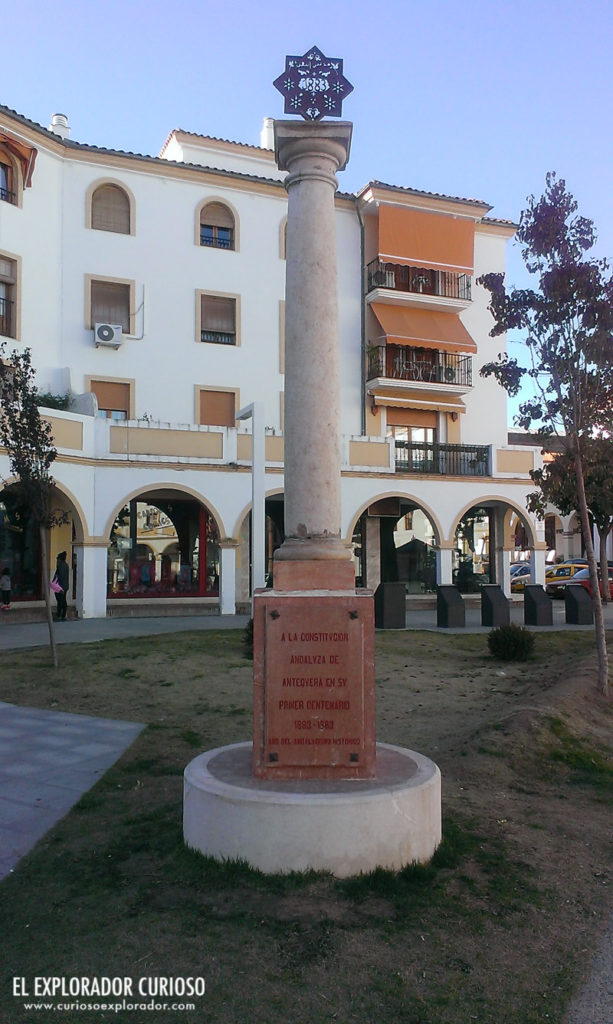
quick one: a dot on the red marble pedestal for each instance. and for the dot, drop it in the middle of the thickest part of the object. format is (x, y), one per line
(314, 692)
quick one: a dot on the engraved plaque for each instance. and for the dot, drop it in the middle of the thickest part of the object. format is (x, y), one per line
(314, 685)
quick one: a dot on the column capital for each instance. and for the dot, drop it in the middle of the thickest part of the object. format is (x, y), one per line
(294, 139)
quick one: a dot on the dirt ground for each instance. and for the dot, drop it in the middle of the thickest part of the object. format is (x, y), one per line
(501, 928)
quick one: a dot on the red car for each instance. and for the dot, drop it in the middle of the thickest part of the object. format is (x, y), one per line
(556, 588)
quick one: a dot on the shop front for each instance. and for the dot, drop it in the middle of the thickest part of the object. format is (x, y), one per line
(163, 546)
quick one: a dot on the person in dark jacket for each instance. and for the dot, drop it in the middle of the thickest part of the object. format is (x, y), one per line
(61, 578)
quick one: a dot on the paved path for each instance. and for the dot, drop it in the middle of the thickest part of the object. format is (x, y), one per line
(48, 759)
(14, 635)
(86, 631)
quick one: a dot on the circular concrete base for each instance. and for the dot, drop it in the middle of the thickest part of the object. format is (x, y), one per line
(341, 826)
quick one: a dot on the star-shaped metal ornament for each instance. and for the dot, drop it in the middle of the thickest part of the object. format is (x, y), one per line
(313, 85)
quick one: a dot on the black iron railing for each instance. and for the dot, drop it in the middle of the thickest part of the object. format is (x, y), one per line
(419, 280)
(216, 241)
(403, 362)
(6, 317)
(218, 337)
(442, 459)
(6, 196)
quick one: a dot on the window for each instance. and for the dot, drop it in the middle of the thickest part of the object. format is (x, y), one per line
(110, 209)
(415, 434)
(113, 398)
(217, 408)
(217, 226)
(7, 192)
(110, 303)
(8, 285)
(218, 319)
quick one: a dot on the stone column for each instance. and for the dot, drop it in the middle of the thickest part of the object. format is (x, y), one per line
(91, 578)
(373, 552)
(312, 153)
(444, 564)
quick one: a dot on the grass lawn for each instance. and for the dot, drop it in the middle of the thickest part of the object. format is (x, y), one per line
(500, 928)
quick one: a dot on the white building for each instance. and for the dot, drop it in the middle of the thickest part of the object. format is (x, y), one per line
(151, 291)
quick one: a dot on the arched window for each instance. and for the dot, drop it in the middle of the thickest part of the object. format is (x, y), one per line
(111, 209)
(217, 226)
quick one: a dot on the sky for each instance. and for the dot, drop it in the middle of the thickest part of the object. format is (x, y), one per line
(476, 99)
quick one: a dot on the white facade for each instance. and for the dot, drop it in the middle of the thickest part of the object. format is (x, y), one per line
(161, 448)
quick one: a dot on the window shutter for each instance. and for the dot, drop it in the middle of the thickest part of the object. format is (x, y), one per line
(111, 209)
(218, 314)
(411, 418)
(7, 270)
(217, 215)
(217, 408)
(112, 395)
(110, 304)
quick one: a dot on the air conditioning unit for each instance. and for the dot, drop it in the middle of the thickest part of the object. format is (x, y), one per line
(109, 335)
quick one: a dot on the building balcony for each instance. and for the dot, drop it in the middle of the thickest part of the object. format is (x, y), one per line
(418, 366)
(182, 446)
(421, 286)
(442, 459)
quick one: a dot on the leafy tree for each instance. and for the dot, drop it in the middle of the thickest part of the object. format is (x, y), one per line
(558, 486)
(568, 322)
(29, 444)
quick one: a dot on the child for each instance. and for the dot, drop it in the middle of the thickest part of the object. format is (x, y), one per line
(5, 587)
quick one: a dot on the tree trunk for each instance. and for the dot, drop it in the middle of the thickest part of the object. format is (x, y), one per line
(604, 565)
(599, 628)
(47, 593)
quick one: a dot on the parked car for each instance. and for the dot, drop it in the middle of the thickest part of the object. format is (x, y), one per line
(581, 578)
(520, 577)
(562, 573)
(581, 562)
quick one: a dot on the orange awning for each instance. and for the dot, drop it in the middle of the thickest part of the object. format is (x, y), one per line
(418, 400)
(423, 328)
(424, 239)
(22, 152)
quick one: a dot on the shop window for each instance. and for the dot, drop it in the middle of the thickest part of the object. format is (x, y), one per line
(163, 548)
(110, 303)
(217, 408)
(20, 545)
(8, 289)
(113, 399)
(110, 209)
(217, 226)
(218, 319)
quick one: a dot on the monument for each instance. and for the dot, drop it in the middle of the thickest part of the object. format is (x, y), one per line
(314, 790)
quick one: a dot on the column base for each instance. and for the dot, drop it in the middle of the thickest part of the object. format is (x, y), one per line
(314, 574)
(342, 827)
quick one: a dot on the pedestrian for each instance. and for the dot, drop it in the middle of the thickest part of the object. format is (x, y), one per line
(61, 578)
(5, 587)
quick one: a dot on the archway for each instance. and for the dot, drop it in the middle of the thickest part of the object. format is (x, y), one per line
(20, 551)
(163, 544)
(395, 540)
(275, 535)
(486, 536)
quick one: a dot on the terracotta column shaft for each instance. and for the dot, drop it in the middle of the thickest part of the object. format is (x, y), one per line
(312, 153)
